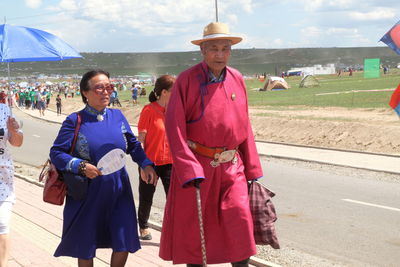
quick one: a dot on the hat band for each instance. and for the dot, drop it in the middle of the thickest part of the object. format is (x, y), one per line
(216, 35)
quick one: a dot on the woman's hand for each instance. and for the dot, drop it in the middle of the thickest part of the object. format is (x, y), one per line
(91, 171)
(12, 125)
(148, 175)
(15, 137)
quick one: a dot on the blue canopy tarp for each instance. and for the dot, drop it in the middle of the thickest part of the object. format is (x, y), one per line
(18, 43)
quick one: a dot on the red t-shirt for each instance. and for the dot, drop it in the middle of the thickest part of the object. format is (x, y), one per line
(152, 122)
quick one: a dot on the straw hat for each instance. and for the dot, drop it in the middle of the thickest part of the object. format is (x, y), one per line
(217, 31)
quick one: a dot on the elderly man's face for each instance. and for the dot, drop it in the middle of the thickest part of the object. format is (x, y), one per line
(216, 54)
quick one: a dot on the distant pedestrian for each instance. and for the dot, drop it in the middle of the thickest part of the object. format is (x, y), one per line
(48, 96)
(41, 103)
(59, 105)
(10, 98)
(350, 72)
(135, 90)
(385, 70)
(66, 92)
(32, 96)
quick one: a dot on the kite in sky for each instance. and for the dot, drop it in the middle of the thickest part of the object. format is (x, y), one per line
(392, 38)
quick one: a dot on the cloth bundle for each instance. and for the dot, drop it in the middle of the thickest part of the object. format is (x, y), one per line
(264, 215)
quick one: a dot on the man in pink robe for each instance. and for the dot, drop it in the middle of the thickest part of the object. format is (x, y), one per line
(208, 108)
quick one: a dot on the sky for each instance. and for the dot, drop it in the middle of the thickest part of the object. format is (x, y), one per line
(170, 25)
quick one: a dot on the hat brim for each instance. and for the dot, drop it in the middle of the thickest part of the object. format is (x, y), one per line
(234, 40)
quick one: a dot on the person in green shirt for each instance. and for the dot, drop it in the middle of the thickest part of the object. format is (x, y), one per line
(32, 96)
(48, 96)
(21, 96)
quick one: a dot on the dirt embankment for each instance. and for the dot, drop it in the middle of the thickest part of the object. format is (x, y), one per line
(372, 130)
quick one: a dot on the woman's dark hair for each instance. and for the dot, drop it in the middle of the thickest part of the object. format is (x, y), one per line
(84, 85)
(164, 82)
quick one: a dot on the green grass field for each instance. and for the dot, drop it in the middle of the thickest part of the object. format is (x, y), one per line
(303, 97)
(344, 85)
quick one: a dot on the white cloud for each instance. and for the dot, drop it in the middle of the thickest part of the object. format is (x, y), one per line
(376, 14)
(81, 34)
(68, 5)
(278, 42)
(84, 21)
(311, 32)
(33, 3)
(342, 31)
(161, 25)
(158, 16)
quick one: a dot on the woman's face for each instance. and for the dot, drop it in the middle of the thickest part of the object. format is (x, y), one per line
(99, 92)
(166, 94)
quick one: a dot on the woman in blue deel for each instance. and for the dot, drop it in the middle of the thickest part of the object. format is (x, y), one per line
(105, 217)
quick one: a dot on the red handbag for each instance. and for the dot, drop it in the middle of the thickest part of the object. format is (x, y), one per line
(55, 189)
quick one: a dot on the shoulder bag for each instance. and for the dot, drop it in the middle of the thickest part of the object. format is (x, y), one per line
(55, 189)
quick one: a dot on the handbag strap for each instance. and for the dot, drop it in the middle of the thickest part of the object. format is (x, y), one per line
(47, 164)
(44, 170)
(77, 127)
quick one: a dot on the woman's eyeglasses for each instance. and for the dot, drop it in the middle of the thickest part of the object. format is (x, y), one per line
(100, 88)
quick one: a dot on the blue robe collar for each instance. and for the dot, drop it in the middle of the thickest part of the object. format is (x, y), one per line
(92, 111)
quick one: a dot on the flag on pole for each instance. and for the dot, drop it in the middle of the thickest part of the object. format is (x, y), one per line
(392, 38)
(395, 100)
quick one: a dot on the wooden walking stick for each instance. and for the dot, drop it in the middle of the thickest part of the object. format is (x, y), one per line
(200, 215)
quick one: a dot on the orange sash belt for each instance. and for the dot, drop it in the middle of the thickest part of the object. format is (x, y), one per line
(218, 154)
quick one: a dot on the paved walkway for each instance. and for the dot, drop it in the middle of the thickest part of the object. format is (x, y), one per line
(36, 228)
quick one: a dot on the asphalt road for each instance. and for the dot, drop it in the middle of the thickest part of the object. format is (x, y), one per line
(350, 219)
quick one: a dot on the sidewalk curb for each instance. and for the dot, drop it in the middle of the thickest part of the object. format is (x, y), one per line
(27, 179)
(326, 163)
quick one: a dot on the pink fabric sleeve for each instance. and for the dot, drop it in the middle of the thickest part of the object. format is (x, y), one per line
(248, 150)
(250, 158)
(186, 166)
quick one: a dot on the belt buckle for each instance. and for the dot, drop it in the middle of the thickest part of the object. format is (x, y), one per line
(214, 163)
(226, 156)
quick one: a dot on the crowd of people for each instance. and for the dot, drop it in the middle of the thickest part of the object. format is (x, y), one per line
(194, 134)
(35, 96)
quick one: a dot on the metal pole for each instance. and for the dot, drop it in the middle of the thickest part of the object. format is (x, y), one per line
(216, 10)
(8, 70)
(9, 88)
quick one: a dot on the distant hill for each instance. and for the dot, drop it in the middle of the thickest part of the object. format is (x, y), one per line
(248, 61)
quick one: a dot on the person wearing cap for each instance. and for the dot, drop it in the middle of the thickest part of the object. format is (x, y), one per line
(213, 147)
